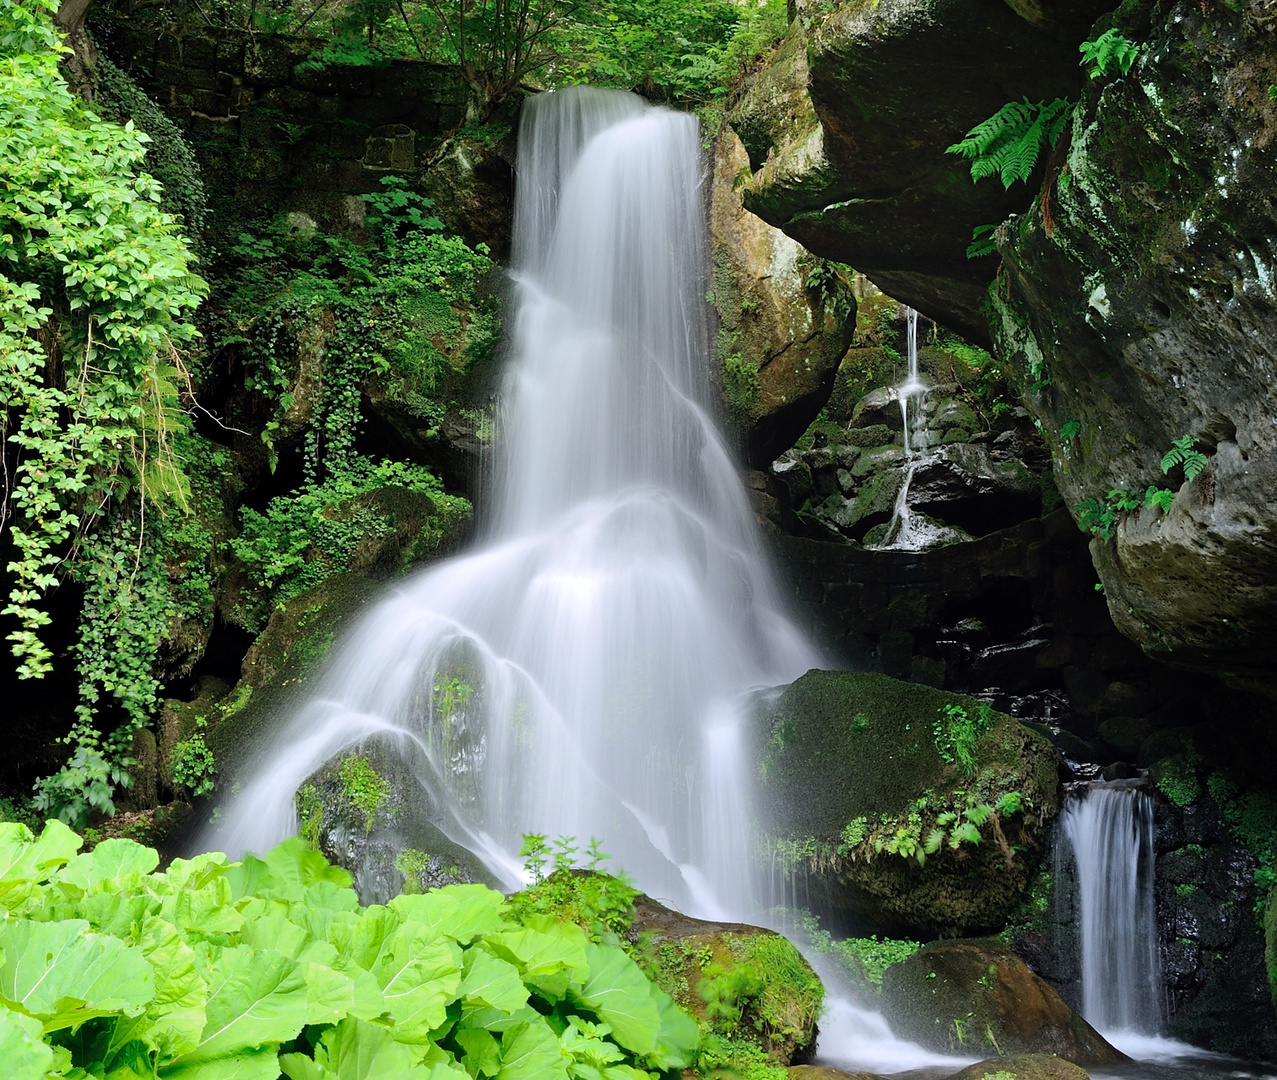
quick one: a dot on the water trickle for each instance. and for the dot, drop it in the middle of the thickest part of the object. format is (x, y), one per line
(1109, 830)
(581, 672)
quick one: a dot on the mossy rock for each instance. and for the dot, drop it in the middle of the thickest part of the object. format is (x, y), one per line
(368, 812)
(740, 982)
(282, 665)
(1022, 1067)
(978, 996)
(824, 1072)
(854, 785)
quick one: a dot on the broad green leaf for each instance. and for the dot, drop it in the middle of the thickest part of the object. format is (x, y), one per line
(114, 913)
(254, 998)
(287, 871)
(25, 857)
(549, 959)
(354, 1050)
(486, 980)
(256, 1064)
(275, 932)
(618, 993)
(497, 1020)
(531, 1052)
(461, 912)
(330, 995)
(112, 860)
(194, 873)
(204, 912)
(418, 972)
(482, 1051)
(62, 974)
(678, 1039)
(174, 1019)
(361, 940)
(22, 1048)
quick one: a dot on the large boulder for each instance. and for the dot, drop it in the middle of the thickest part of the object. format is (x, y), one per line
(1141, 309)
(909, 809)
(847, 127)
(741, 983)
(978, 996)
(785, 319)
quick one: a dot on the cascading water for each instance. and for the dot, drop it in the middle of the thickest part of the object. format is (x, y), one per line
(607, 628)
(1109, 829)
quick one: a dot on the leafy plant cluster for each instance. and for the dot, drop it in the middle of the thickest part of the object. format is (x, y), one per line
(363, 787)
(193, 766)
(96, 292)
(248, 970)
(601, 904)
(1101, 517)
(932, 824)
(868, 955)
(957, 732)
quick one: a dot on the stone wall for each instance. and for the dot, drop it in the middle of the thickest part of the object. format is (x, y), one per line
(277, 133)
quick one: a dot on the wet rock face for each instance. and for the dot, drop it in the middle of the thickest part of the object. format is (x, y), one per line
(784, 321)
(978, 996)
(846, 130)
(1144, 311)
(1022, 1067)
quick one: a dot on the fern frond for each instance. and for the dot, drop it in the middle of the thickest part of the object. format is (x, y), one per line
(1008, 144)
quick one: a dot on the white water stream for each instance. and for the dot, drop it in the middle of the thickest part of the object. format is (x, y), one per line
(1110, 832)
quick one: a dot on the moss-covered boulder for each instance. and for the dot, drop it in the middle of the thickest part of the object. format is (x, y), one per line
(909, 808)
(824, 1072)
(750, 989)
(978, 996)
(1022, 1067)
(785, 317)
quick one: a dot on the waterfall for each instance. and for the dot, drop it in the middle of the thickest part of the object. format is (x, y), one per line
(581, 672)
(1109, 830)
(913, 383)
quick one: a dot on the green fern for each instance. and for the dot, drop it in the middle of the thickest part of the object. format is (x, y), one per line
(1159, 497)
(983, 241)
(1183, 452)
(1110, 52)
(1009, 143)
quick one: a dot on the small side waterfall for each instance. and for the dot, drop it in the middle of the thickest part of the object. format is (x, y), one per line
(1109, 830)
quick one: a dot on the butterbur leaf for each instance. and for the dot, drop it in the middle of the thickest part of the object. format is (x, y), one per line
(618, 993)
(254, 998)
(531, 1052)
(175, 1017)
(22, 1047)
(62, 974)
(549, 954)
(354, 1050)
(461, 912)
(482, 1052)
(257, 1064)
(678, 1039)
(113, 860)
(418, 973)
(487, 980)
(25, 857)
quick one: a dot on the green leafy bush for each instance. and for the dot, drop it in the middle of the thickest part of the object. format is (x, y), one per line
(957, 732)
(193, 765)
(216, 970)
(363, 787)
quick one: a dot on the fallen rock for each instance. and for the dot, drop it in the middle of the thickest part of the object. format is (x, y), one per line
(975, 996)
(1023, 1067)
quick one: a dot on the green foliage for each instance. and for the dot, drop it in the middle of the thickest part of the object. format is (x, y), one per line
(957, 732)
(1183, 452)
(250, 969)
(1009, 143)
(305, 537)
(1177, 779)
(600, 904)
(871, 955)
(1070, 431)
(95, 286)
(412, 864)
(1101, 518)
(363, 787)
(193, 765)
(1162, 498)
(741, 383)
(310, 815)
(1111, 52)
(984, 241)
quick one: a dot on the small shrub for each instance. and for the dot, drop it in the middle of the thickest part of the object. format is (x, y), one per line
(364, 788)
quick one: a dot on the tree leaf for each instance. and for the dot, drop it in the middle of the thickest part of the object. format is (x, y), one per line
(62, 974)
